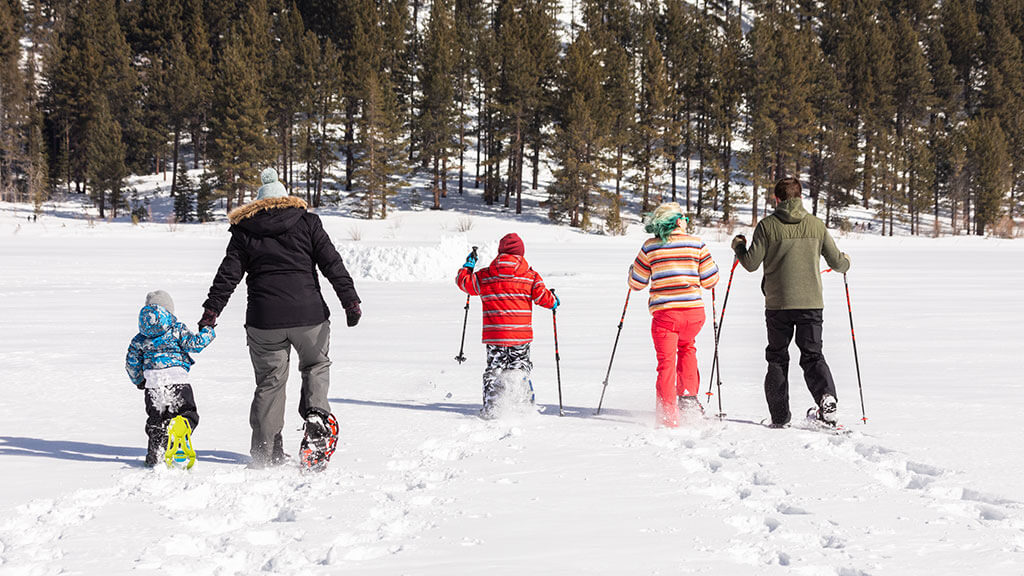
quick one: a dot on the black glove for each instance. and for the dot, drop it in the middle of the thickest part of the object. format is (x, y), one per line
(209, 319)
(141, 385)
(740, 241)
(352, 314)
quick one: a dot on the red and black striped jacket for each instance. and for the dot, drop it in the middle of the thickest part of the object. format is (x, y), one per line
(507, 288)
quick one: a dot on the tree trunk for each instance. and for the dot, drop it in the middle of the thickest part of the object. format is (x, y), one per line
(174, 171)
(350, 121)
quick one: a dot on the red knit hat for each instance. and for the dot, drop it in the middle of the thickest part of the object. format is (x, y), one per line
(511, 244)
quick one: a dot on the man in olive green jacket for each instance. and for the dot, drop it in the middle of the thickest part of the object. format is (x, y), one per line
(790, 244)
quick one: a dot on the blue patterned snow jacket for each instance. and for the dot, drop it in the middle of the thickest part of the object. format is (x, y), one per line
(162, 342)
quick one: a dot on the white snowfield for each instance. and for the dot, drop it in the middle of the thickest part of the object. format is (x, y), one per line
(930, 485)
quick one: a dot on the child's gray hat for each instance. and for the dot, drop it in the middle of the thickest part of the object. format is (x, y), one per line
(160, 298)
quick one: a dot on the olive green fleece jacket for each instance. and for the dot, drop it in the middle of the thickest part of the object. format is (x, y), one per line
(790, 243)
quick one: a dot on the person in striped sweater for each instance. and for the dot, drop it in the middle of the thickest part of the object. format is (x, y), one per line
(676, 266)
(508, 288)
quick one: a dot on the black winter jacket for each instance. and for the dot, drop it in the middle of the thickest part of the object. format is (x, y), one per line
(278, 245)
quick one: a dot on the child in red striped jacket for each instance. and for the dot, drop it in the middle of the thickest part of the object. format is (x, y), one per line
(508, 288)
(677, 266)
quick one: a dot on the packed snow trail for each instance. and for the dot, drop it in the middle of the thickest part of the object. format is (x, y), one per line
(725, 497)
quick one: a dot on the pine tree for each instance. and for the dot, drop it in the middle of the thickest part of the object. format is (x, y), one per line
(90, 59)
(960, 28)
(913, 104)
(543, 46)
(728, 89)
(182, 96)
(240, 148)
(1002, 94)
(380, 148)
(678, 35)
(37, 162)
(782, 60)
(105, 150)
(577, 144)
(197, 45)
(833, 165)
(652, 114)
(469, 23)
(13, 99)
(285, 84)
(437, 107)
(610, 25)
(990, 172)
(205, 198)
(945, 111)
(183, 192)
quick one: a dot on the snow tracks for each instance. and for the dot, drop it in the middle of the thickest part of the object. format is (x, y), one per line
(451, 494)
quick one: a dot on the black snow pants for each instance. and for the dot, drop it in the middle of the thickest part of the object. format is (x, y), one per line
(162, 404)
(781, 326)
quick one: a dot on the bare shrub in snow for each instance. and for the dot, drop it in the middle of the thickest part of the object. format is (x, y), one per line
(355, 233)
(1005, 227)
(464, 223)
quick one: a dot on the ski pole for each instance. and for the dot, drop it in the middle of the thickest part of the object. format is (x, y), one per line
(856, 361)
(614, 346)
(714, 362)
(462, 346)
(716, 368)
(558, 369)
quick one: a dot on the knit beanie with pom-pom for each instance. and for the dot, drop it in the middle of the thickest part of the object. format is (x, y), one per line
(271, 188)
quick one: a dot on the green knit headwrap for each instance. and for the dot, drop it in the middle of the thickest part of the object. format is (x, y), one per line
(663, 220)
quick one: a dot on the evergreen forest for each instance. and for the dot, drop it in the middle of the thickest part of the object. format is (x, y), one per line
(912, 110)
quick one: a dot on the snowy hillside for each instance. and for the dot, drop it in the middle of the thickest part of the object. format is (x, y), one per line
(420, 485)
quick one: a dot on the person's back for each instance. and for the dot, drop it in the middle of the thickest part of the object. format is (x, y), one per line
(278, 246)
(790, 244)
(508, 288)
(677, 268)
(158, 361)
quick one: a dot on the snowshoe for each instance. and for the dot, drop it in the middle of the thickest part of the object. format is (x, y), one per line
(815, 420)
(690, 405)
(179, 452)
(319, 441)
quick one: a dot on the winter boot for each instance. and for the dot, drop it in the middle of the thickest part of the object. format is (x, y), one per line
(179, 451)
(277, 455)
(155, 449)
(319, 441)
(827, 410)
(488, 412)
(690, 405)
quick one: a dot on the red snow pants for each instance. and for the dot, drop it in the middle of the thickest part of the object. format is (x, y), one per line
(674, 331)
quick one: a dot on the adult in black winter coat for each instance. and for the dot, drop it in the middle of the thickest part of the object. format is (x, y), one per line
(278, 245)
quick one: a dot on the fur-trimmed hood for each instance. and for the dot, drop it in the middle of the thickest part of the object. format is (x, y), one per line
(269, 217)
(255, 207)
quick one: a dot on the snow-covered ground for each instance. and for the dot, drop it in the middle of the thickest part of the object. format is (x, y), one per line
(929, 486)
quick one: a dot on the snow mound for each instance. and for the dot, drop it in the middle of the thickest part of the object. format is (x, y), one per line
(432, 263)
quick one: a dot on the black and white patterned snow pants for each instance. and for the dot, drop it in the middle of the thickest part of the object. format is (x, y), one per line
(501, 359)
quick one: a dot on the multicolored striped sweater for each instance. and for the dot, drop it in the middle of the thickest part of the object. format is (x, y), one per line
(508, 289)
(676, 269)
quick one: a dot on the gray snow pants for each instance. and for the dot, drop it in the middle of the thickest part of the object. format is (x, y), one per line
(270, 351)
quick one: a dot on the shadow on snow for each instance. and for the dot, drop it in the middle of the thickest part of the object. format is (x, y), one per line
(90, 452)
(474, 409)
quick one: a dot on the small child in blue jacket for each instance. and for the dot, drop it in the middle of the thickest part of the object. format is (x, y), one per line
(158, 362)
